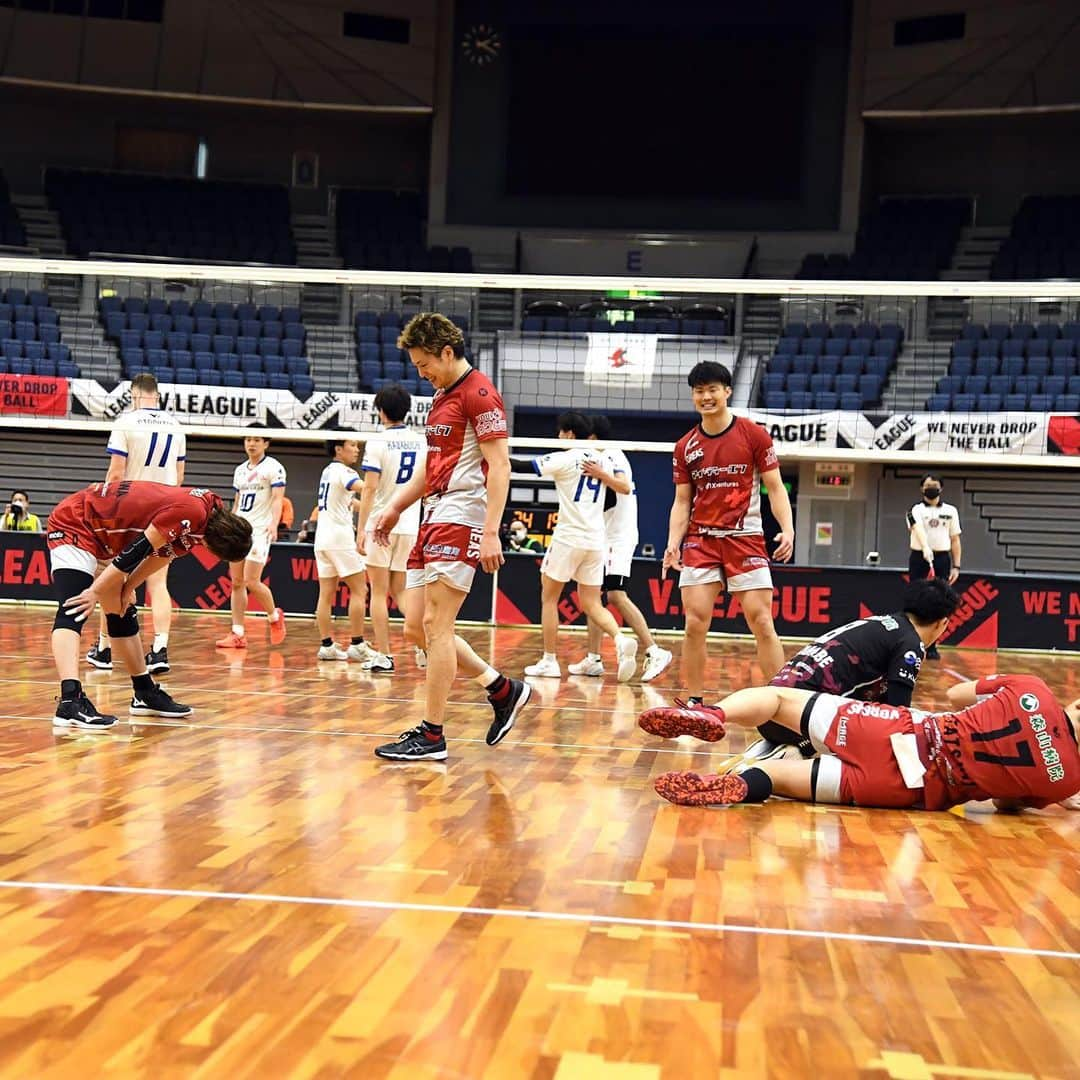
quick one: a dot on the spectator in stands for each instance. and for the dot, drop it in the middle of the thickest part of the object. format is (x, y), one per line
(934, 528)
(306, 535)
(519, 540)
(288, 516)
(17, 516)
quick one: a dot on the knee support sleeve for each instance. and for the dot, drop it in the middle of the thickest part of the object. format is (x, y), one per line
(122, 626)
(69, 583)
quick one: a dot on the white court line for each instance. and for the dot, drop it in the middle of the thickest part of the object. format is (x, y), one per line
(233, 729)
(543, 916)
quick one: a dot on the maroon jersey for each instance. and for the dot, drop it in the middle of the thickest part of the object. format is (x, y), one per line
(724, 472)
(462, 417)
(1016, 744)
(104, 518)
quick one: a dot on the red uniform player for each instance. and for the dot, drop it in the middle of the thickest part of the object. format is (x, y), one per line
(1006, 739)
(140, 526)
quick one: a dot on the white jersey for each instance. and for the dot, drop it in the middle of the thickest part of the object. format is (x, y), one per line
(396, 454)
(940, 523)
(335, 529)
(151, 442)
(254, 486)
(621, 520)
(581, 498)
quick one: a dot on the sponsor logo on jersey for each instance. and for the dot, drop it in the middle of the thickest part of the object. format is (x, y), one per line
(490, 422)
(912, 659)
(694, 455)
(440, 431)
(1029, 703)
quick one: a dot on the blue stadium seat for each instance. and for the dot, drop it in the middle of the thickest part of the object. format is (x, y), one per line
(1012, 348)
(367, 350)
(870, 389)
(290, 315)
(851, 402)
(204, 361)
(164, 374)
(988, 347)
(256, 380)
(1054, 385)
(37, 298)
(803, 365)
(295, 332)
(250, 362)
(184, 322)
(1027, 384)
(793, 330)
(1073, 386)
(273, 331)
(135, 305)
(800, 400)
(67, 370)
(156, 305)
(965, 347)
(222, 343)
(892, 331)
(269, 347)
(388, 318)
(303, 386)
(836, 347)
(1038, 365)
(179, 307)
(20, 366)
(1063, 365)
(987, 365)
(963, 365)
(45, 368)
(393, 369)
(973, 332)
(1015, 402)
(843, 330)
(1013, 365)
(176, 339)
(975, 384)
(246, 312)
(59, 353)
(33, 350)
(827, 400)
(950, 384)
(369, 371)
(274, 365)
(370, 334)
(1038, 347)
(1000, 384)
(47, 317)
(998, 331)
(938, 402)
(852, 365)
(277, 380)
(798, 383)
(187, 376)
(821, 382)
(232, 378)
(846, 384)
(1040, 403)
(963, 402)
(49, 334)
(1071, 330)
(1022, 331)
(988, 403)
(15, 296)
(296, 365)
(198, 342)
(161, 322)
(771, 383)
(25, 331)
(211, 377)
(1049, 330)
(367, 318)
(181, 358)
(1067, 403)
(228, 362)
(818, 330)
(389, 334)
(877, 365)
(291, 347)
(223, 310)
(229, 326)
(202, 309)
(155, 358)
(864, 346)
(780, 364)
(827, 365)
(205, 324)
(138, 321)
(812, 346)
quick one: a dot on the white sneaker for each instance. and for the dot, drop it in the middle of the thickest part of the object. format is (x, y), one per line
(379, 663)
(656, 663)
(361, 652)
(626, 651)
(588, 666)
(332, 652)
(545, 668)
(421, 657)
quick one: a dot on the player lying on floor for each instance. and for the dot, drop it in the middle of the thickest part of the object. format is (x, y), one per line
(1007, 739)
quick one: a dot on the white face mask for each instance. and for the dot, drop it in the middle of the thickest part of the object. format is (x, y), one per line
(518, 536)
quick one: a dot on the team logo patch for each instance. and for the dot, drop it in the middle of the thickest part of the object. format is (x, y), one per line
(1029, 703)
(912, 658)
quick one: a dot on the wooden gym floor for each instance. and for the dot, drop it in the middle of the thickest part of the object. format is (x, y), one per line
(253, 894)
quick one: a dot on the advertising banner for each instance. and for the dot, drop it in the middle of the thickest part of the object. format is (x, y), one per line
(35, 395)
(626, 359)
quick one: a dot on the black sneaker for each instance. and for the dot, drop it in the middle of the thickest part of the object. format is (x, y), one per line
(157, 703)
(100, 658)
(157, 661)
(413, 745)
(506, 711)
(80, 713)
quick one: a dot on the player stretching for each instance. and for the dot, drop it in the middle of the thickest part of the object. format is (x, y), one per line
(259, 484)
(1016, 746)
(715, 536)
(141, 527)
(146, 444)
(621, 524)
(391, 458)
(337, 554)
(464, 489)
(578, 545)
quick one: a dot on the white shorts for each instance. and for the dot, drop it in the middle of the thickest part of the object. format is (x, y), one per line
(396, 556)
(620, 561)
(339, 562)
(260, 547)
(565, 563)
(69, 557)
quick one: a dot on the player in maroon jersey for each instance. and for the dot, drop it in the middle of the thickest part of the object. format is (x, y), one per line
(1006, 739)
(140, 526)
(464, 489)
(715, 536)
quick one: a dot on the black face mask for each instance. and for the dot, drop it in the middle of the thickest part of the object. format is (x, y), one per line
(931, 492)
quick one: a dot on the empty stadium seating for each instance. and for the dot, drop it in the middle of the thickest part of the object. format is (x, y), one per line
(1044, 241)
(378, 359)
(180, 219)
(901, 240)
(829, 366)
(218, 344)
(384, 230)
(30, 337)
(1013, 367)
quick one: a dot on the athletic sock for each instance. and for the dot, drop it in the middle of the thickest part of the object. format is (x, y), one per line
(70, 689)
(695, 701)
(759, 784)
(551, 656)
(161, 641)
(273, 616)
(142, 684)
(327, 642)
(102, 642)
(499, 687)
(486, 677)
(593, 656)
(238, 630)
(357, 641)
(431, 732)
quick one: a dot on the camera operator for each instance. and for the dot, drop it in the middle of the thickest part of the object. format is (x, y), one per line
(516, 538)
(17, 516)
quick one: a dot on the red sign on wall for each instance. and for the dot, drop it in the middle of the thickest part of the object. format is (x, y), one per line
(35, 395)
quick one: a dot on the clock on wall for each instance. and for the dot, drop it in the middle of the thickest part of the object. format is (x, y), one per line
(481, 44)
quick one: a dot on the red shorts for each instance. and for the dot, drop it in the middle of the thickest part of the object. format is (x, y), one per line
(447, 551)
(740, 562)
(859, 734)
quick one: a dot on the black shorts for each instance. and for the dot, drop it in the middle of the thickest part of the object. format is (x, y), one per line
(615, 583)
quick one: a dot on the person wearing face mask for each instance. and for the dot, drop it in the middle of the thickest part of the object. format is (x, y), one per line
(17, 516)
(518, 539)
(934, 528)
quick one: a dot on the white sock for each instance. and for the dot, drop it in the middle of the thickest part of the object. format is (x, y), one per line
(161, 641)
(273, 617)
(550, 656)
(593, 656)
(102, 642)
(653, 648)
(486, 677)
(238, 630)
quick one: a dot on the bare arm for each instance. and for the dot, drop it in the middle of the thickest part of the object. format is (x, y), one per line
(956, 553)
(781, 508)
(919, 535)
(180, 473)
(277, 502)
(678, 523)
(962, 695)
(367, 499)
(615, 481)
(497, 455)
(113, 587)
(117, 465)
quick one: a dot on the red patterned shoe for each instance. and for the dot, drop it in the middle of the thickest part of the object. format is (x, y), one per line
(705, 722)
(691, 789)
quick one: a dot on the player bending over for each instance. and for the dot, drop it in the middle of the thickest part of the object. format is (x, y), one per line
(140, 526)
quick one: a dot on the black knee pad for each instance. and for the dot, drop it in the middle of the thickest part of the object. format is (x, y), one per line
(121, 626)
(66, 584)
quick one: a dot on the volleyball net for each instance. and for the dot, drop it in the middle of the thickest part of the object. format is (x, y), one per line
(926, 368)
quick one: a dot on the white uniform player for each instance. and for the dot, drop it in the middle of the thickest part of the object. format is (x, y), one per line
(579, 543)
(335, 536)
(396, 454)
(621, 522)
(254, 486)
